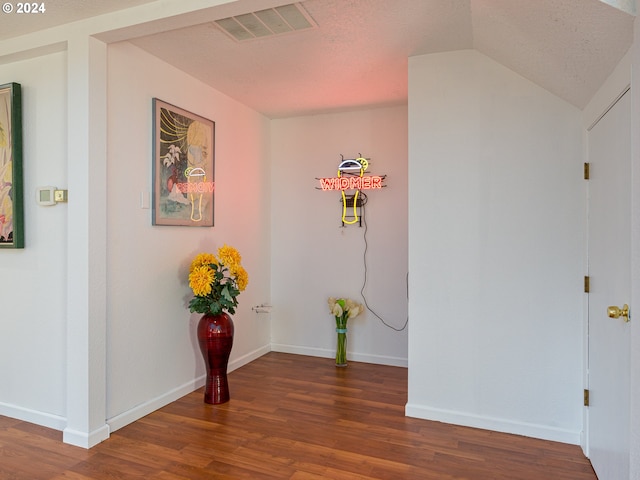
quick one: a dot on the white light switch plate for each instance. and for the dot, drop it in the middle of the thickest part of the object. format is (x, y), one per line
(144, 200)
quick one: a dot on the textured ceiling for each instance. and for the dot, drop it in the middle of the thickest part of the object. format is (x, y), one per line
(357, 56)
(567, 46)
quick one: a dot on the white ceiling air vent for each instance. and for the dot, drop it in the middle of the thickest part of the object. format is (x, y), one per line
(265, 23)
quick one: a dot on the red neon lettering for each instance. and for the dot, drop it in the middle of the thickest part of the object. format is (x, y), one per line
(328, 183)
(199, 187)
(351, 183)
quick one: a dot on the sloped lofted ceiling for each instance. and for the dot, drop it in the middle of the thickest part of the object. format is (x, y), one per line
(358, 54)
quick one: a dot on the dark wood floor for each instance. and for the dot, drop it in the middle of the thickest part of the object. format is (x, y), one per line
(291, 417)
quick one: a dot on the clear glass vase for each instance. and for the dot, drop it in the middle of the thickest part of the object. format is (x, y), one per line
(341, 348)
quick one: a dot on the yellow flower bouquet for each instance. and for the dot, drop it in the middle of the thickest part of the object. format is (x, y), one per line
(216, 281)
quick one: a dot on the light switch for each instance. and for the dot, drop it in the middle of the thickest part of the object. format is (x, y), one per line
(144, 200)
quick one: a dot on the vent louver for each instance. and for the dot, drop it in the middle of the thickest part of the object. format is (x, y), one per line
(265, 23)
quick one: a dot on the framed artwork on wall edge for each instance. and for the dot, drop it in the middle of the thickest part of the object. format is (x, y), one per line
(183, 167)
(11, 194)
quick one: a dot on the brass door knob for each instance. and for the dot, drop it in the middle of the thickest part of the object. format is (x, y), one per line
(617, 312)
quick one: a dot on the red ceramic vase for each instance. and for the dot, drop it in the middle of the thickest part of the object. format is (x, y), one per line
(215, 336)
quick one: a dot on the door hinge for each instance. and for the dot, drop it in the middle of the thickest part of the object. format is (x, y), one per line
(586, 397)
(586, 284)
(586, 171)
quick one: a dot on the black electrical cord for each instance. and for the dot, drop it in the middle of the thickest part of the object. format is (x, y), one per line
(364, 284)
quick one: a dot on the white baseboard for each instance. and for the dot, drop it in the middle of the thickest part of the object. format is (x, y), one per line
(84, 439)
(543, 432)
(89, 439)
(327, 353)
(248, 358)
(125, 418)
(139, 411)
(296, 350)
(48, 420)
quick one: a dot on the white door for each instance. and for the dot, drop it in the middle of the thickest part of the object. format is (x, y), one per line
(610, 285)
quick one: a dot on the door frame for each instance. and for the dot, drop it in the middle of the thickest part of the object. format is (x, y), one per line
(618, 83)
(634, 444)
(603, 333)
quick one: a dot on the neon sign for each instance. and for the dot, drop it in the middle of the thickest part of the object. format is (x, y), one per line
(351, 177)
(351, 183)
(202, 187)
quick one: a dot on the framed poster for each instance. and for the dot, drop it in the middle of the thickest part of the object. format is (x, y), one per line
(11, 200)
(183, 167)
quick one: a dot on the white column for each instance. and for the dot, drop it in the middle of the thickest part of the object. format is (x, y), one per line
(86, 282)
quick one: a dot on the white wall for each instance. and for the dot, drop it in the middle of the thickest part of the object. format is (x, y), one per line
(314, 258)
(496, 228)
(33, 299)
(152, 351)
(56, 310)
